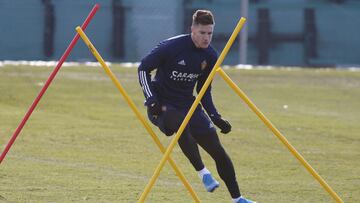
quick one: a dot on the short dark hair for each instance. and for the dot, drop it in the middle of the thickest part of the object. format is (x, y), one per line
(203, 17)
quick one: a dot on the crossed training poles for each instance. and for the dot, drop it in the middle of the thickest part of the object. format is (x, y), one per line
(166, 156)
(136, 111)
(240, 93)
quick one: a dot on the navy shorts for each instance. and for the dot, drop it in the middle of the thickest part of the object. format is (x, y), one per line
(171, 118)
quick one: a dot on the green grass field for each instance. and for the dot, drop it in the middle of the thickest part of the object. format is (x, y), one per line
(83, 143)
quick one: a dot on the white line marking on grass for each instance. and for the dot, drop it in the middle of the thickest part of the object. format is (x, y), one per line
(352, 68)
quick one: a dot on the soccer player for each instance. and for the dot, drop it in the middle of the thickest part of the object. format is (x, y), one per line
(181, 63)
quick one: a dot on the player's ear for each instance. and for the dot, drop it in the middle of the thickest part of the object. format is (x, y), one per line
(193, 28)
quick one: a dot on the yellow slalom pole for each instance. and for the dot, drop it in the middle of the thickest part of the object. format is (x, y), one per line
(192, 109)
(278, 134)
(136, 111)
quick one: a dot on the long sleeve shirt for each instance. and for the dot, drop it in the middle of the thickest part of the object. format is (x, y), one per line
(179, 65)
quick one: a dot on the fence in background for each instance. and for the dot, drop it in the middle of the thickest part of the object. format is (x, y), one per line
(280, 32)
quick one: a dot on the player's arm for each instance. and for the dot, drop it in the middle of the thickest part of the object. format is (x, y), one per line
(208, 104)
(149, 63)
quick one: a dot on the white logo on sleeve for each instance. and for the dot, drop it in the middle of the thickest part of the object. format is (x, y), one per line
(182, 62)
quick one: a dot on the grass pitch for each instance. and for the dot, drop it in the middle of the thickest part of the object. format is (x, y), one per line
(83, 143)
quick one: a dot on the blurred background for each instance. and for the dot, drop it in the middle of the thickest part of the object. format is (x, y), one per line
(309, 33)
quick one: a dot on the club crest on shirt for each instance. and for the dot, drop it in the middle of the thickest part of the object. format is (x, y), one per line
(203, 65)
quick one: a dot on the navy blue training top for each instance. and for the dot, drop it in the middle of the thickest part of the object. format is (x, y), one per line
(180, 66)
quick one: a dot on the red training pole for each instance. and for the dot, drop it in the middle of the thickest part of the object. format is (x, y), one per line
(48, 81)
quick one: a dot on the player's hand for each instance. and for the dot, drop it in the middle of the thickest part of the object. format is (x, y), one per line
(155, 108)
(221, 123)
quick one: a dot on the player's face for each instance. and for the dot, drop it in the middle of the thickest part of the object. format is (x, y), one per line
(202, 35)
